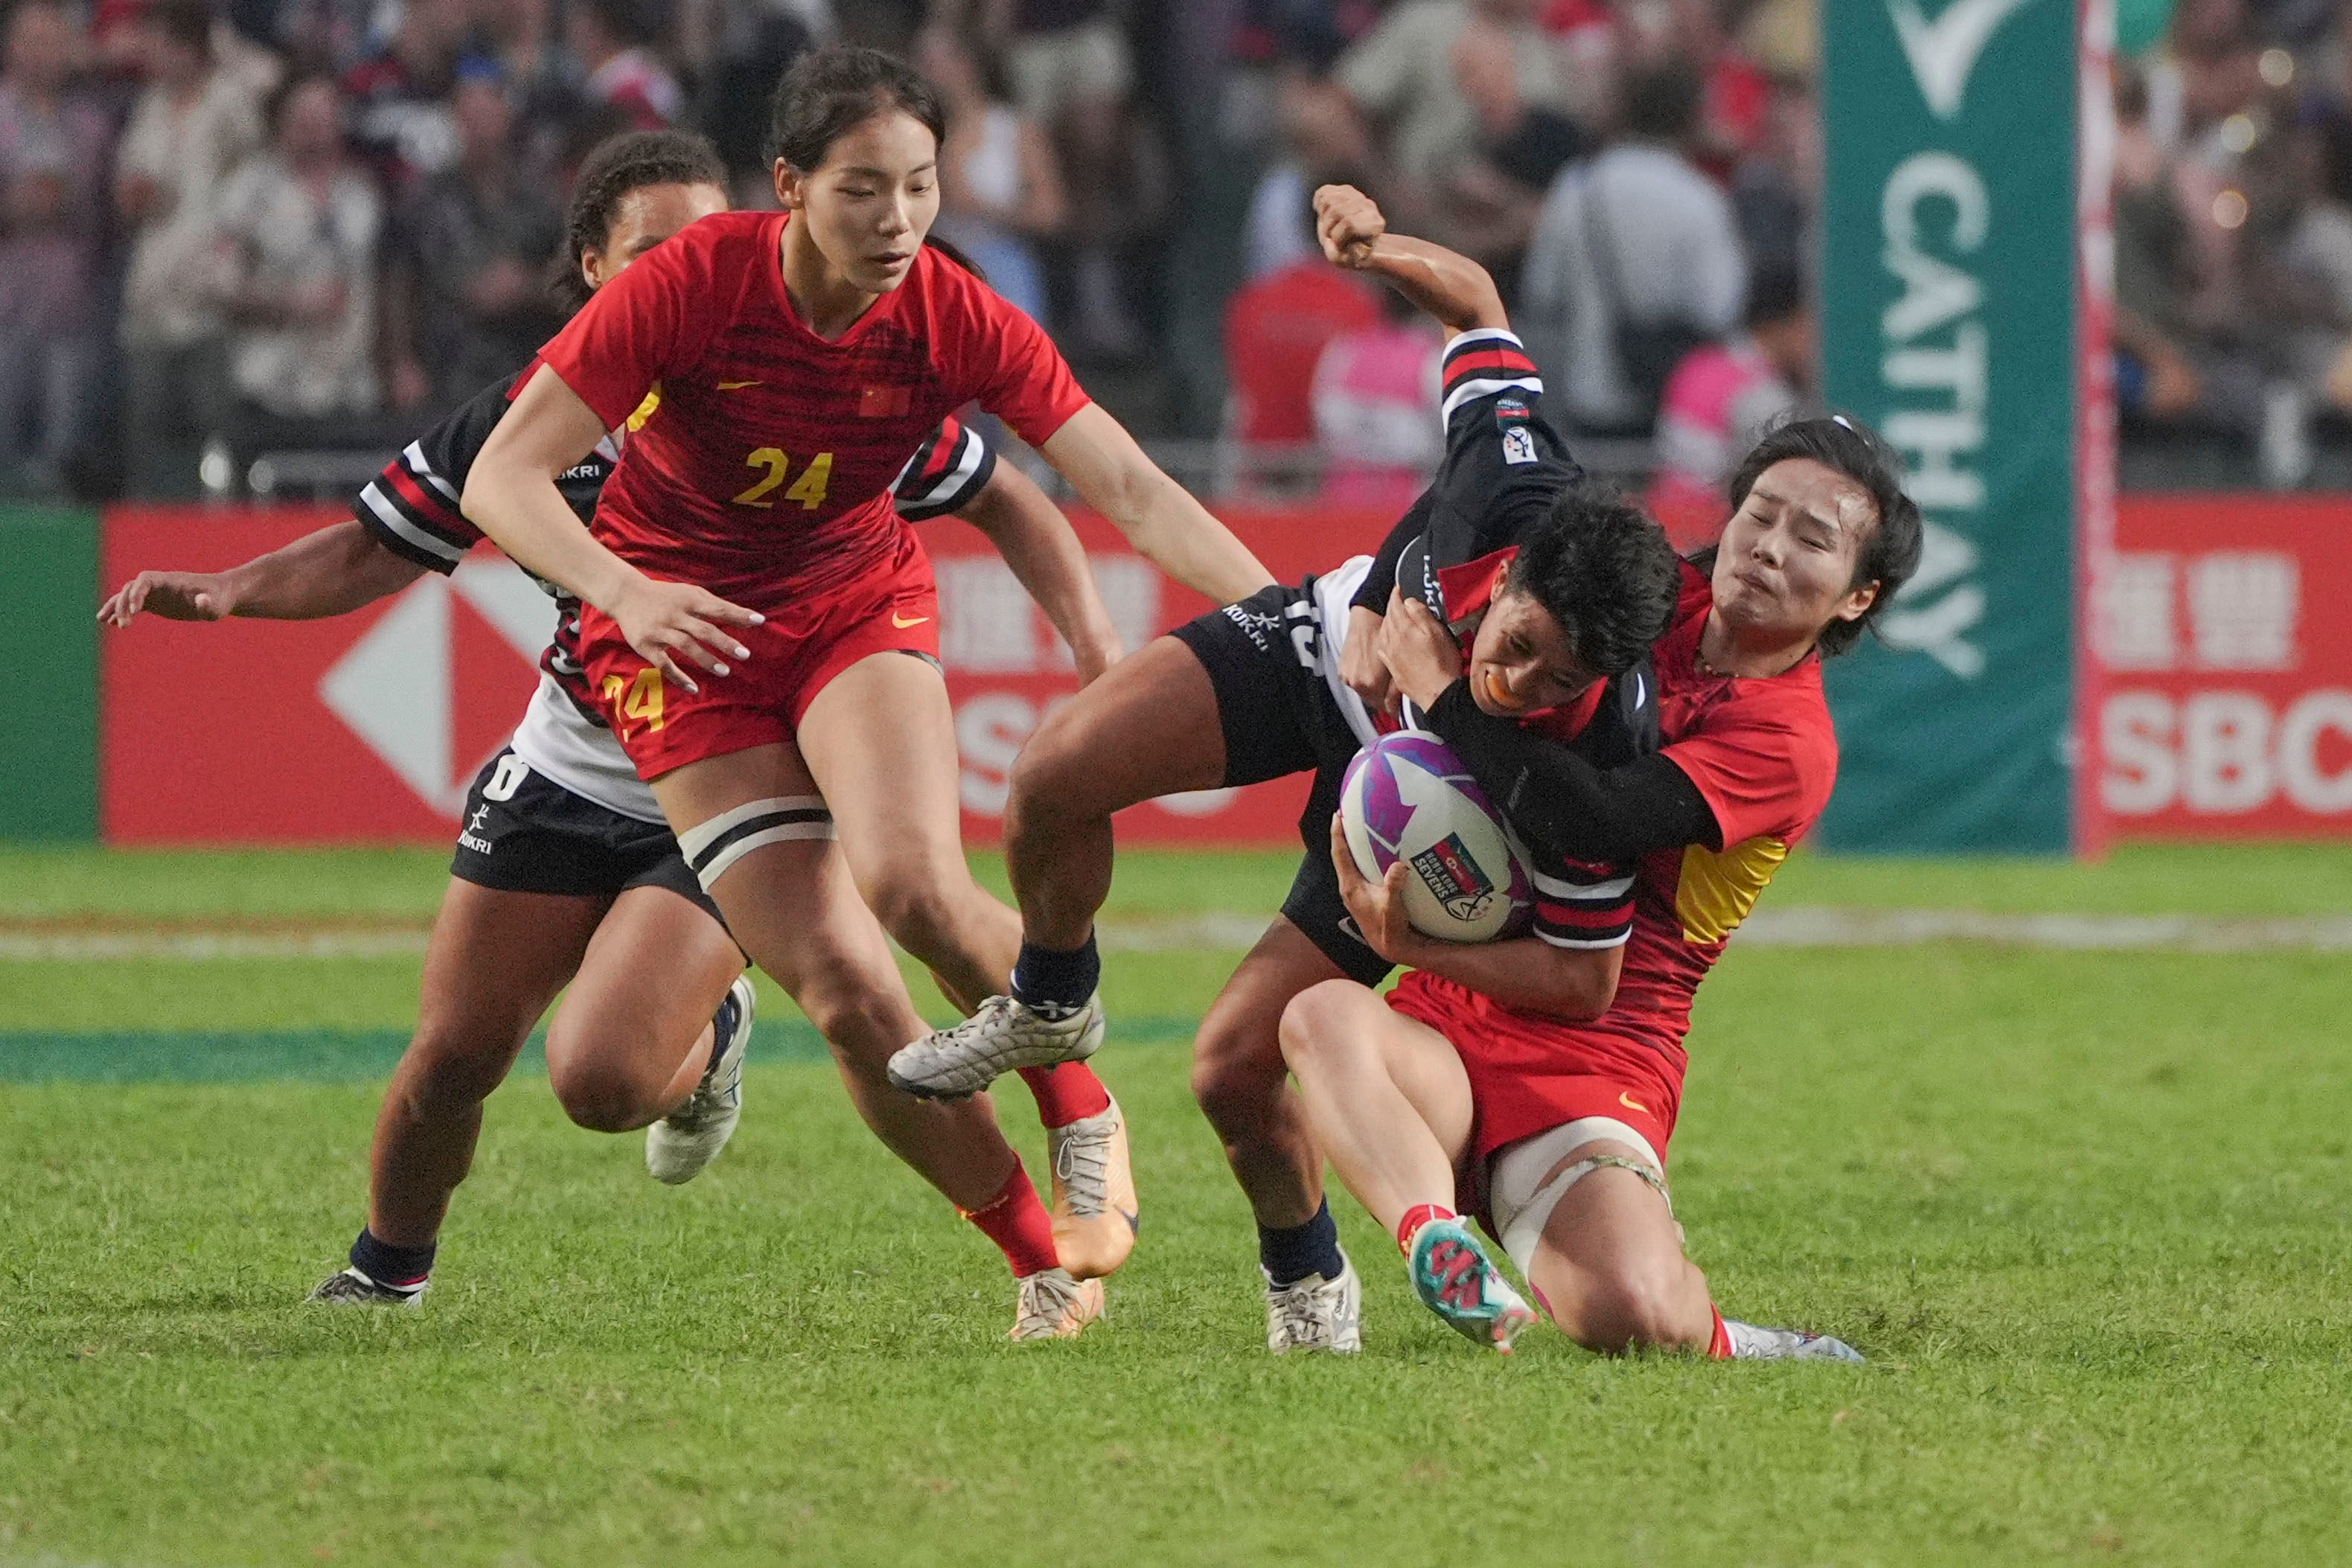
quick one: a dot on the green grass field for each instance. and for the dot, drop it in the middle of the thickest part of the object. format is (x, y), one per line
(2084, 1210)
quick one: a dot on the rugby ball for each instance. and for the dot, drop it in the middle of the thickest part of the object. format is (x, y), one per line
(1406, 796)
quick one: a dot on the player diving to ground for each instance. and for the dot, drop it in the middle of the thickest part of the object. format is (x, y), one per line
(1557, 592)
(566, 873)
(749, 600)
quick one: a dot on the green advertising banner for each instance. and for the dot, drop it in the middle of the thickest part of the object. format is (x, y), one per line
(48, 641)
(1947, 323)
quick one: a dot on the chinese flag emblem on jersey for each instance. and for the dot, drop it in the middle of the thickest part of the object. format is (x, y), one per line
(885, 403)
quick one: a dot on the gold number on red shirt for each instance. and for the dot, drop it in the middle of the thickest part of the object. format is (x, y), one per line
(809, 489)
(642, 701)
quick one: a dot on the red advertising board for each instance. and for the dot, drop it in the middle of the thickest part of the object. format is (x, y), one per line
(369, 727)
(2224, 702)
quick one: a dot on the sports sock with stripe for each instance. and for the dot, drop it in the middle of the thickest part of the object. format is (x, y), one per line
(1019, 1225)
(393, 1268)
(1718, 1343)
(1419, 1215)
(1055, 981)
(1065, 1093)
(1291, 1255)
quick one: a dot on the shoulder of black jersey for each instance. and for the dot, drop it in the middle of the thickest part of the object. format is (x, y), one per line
(946, 474)
(1488, 362)
(412, 508)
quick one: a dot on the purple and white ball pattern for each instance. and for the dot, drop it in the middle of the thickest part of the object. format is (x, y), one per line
(1407, 797)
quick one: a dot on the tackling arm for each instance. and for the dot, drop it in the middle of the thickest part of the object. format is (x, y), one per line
(330, 571)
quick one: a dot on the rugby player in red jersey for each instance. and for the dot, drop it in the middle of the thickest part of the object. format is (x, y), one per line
(566, 874)
(751, 600)
(1547, 1111)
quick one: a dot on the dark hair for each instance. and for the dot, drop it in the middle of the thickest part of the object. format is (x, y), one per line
(188, 23)
(634, 22)
(827, 91)
(1662, 100)
(613, 169)
(1604, 570)
(1891, 554)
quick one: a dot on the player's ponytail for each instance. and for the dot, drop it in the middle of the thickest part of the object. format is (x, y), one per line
(827, 92)
(612, 169)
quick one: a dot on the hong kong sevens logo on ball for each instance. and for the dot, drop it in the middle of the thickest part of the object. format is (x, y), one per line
(1407, 797)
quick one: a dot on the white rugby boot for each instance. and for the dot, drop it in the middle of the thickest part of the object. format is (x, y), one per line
(1316, 1313)
(351, 1288)
(1002, 1036)
(1054, 1306)
(1096, 1217)
(1749, 1342)
(681, 1144)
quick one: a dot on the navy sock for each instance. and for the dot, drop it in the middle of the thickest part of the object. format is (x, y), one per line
(1290, 1256)
(396, 1267)
(1056, 979)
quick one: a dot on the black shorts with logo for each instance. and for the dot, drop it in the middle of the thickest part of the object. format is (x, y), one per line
(523, 832)
(1264, 659)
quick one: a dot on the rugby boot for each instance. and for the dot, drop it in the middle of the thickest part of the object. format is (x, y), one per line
(1054, 1306)
(1454, 1278)
(681, 1144)
(1095, 1213)
(1749, 1342)
(1316, 1313)
(1001, 1037)
(351, 1288)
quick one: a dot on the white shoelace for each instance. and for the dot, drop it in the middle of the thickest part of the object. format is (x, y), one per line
(1046, 1300)
(1082, 1161)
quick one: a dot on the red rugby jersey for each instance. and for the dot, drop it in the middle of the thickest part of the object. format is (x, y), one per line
(760, 455)
(1763, 753)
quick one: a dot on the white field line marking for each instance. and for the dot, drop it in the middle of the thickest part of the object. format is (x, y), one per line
(1233, 930)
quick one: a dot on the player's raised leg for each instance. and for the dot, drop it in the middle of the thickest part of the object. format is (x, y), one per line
(1243, 1085)
(753, 828)
(653, 1031)
(494, 962)
(893, 792)
(1149, 728)
(1388, 1100)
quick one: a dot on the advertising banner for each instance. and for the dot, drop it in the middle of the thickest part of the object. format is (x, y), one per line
(48, 734)
(368, 727)
(2226, 703)
(1947, 322)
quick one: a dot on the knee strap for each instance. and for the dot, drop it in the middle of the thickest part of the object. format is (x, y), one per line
(1527, 1227)
(711, 847)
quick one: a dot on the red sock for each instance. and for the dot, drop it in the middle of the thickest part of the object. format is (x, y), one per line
(1419, 1215)
(1718, 1347)
(1018, 1224)
(1067, 1093)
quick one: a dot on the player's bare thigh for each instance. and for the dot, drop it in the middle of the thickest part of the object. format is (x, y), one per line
(1147, 728)
(655, 971)
(1340, 1028)
(1610, 1266)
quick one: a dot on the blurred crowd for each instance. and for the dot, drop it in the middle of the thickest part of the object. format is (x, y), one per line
(237, 226)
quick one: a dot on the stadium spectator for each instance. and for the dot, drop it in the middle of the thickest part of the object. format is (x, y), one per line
(468, 277)
(542, 88)
(1722, 399)
(1406, 75)
(399, 93)
(53, 146)
(1776, 192)
(612, 39)
(1375, 402)
(298, 227)
(1276, 329)
(193, 125)
(1000, 184)
(751, 44)
(1323, 142)
(1637, 259)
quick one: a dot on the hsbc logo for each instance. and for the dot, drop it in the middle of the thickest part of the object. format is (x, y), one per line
(397, 688)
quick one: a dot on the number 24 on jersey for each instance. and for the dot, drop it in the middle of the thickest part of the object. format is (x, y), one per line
(808, 489)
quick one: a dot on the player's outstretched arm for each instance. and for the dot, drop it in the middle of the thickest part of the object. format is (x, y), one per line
(1525, 972)
(510, 495)
(1038, 543)
(330, 571)
(1160, 517)
(1458, 292)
